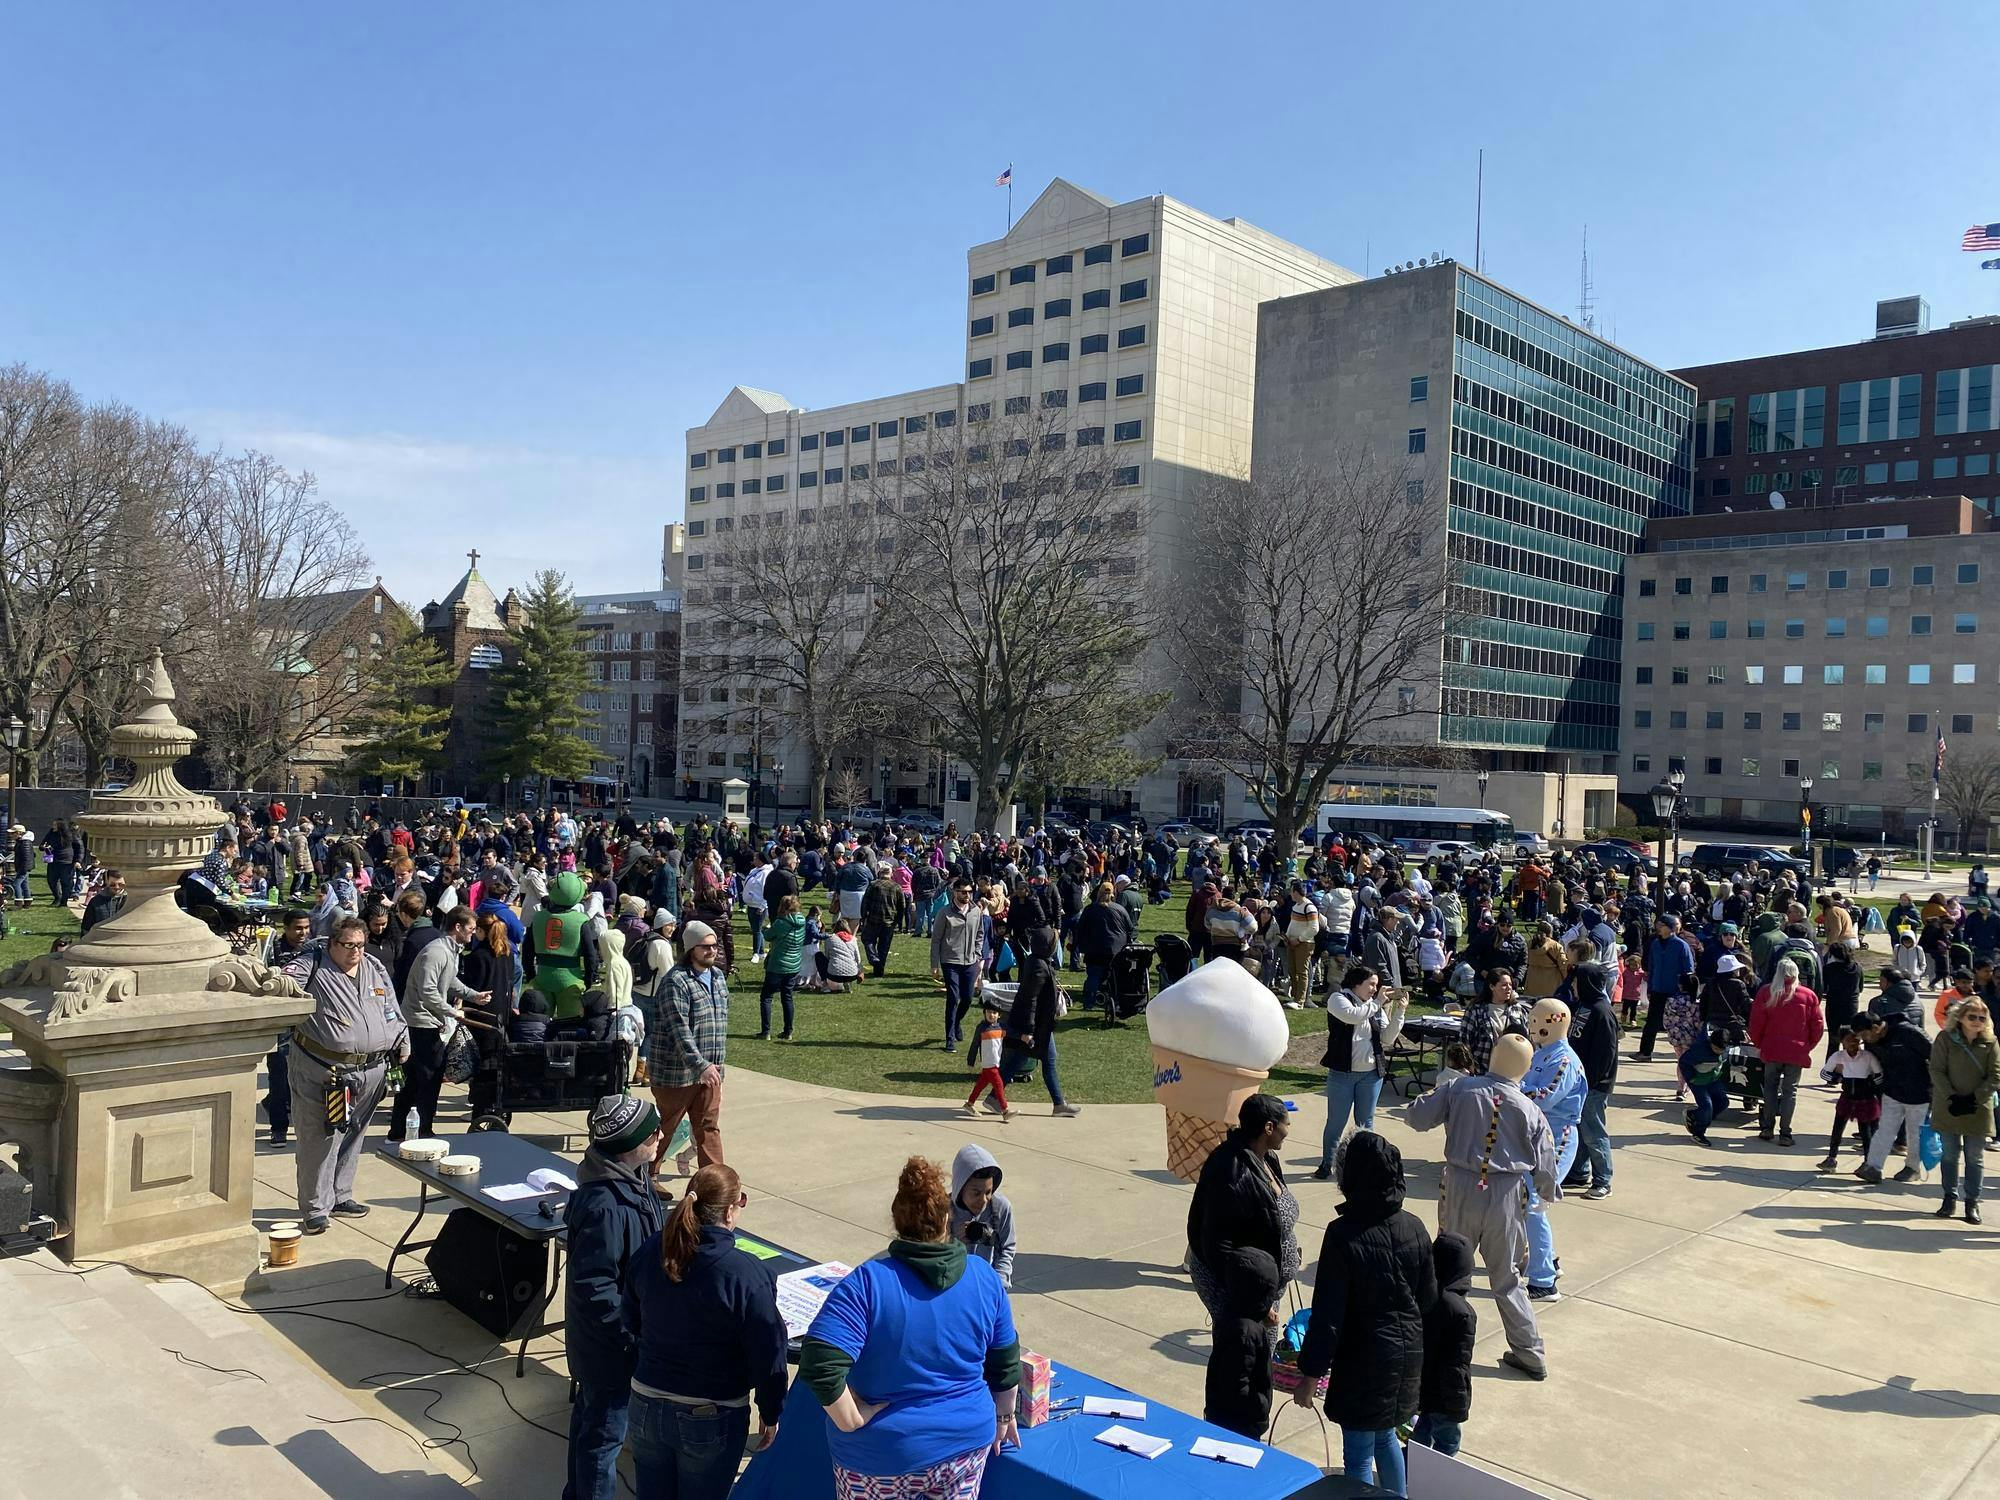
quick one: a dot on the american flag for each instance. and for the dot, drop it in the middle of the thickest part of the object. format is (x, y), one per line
(1006, 179)
(1937, 765)
(1981, 237)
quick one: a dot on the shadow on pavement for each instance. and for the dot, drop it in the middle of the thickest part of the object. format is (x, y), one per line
(1900, 1396)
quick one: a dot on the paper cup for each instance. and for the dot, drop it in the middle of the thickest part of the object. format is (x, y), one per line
(282, 1246)
(1201, 1099)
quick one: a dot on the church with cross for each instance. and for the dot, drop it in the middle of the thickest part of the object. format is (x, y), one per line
(476, 632)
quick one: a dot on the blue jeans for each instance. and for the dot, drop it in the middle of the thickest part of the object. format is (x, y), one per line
(686, 1452)
(1710, 1100)
(1973, 1149)
(596, 1434)
(756, 930)
(781, 985)
(959, 988)
(1347, 1093)
(1094, 976)
(1541, 1238)
(1016, 1065)
(24, 892)
(1596, 1136)
(1436, 1432)
(1371, 1457)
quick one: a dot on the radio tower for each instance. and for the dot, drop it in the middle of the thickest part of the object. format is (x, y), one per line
(1586, 300)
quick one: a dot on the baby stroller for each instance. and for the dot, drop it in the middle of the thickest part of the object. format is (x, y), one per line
(1127, 986)
(1175, 957)
(563, 1073)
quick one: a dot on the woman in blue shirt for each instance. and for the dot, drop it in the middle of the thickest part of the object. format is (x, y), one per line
(915, 1359)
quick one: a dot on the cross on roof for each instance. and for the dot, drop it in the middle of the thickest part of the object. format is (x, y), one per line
(474, 555)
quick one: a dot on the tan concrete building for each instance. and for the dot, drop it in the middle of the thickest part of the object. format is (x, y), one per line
(1766, 647)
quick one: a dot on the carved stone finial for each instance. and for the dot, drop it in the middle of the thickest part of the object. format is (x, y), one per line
(248, 976)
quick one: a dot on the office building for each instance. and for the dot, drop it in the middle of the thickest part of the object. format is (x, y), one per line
(1834, 644)
(1909, 412)
(1138, 319)
(1541, 451)
(633, 643)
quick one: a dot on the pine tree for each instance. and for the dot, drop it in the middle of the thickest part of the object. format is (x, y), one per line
(402, 732)
(536, 712)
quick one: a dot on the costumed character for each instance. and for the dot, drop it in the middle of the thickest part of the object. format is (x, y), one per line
(1554, 1081)
(1216, 1035)
(1496, 1143)
(555, 958)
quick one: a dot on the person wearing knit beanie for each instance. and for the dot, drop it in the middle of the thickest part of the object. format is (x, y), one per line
(696, 933)
(622, 1123)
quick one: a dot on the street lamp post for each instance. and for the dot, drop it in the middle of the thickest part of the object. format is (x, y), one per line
(1664, 796)
(506, 792)
(777, 789)
(1676, 778)
(13, 731)
(1484, 774)
(888, 770)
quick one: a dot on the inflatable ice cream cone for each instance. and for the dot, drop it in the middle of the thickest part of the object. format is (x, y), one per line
(1215, 1035)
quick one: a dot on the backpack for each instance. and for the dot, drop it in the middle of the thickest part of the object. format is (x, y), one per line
(642, 963)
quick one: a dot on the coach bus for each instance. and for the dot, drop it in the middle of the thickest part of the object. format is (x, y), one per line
(1467, 825)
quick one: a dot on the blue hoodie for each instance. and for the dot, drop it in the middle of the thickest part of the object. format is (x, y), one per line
(1555, 1081)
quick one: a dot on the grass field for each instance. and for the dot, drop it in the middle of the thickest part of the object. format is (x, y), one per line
(885, 1036)
(30, 930)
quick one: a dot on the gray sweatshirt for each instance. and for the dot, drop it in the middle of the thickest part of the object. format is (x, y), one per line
(996, 1247)
(434, 986)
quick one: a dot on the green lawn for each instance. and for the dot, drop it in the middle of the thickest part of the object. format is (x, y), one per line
(885, 1037)
(30, 930)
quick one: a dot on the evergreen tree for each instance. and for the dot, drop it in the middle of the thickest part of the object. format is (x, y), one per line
(402, 732)
(536, 712)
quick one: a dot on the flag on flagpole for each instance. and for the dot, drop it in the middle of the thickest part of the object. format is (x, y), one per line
(1937, 765)
(1981, 237)
(1989, 265)
(1006, 179)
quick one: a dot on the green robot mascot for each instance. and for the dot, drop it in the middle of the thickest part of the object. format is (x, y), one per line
(555, 958)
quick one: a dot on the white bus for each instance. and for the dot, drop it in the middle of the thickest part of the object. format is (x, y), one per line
(1429, 825)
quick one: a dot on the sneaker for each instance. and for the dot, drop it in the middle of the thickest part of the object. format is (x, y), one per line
(1908, 1174)
(1701, 1138)
(1764, 1134)
(1526, 1365)
(317, 1224)
(351, 1210)
(991, 1105)
(1293, 1005)
(1067, 1111)
(968, 1111)
(1322, 1173)
(1784, 1138)
(1868, 1174)
(1598, 1190)
(278, 1137)
(762, 1036)
(1829, 1164)
(1006, 1117)
(1544, 1294)
(784, 1036)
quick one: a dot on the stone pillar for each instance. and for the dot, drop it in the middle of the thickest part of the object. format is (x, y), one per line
(153, 1034)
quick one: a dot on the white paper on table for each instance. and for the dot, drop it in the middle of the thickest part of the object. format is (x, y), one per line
(801, 1294)
(1142, 1443)
(549, 1180)
(1244, 1455)
(1114, 1406)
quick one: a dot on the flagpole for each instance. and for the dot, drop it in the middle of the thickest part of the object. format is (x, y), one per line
(1010, 198)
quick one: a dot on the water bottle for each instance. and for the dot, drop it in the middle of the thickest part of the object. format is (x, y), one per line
(410, 1124)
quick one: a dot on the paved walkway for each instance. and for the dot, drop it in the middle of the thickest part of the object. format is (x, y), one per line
(1728, 1314)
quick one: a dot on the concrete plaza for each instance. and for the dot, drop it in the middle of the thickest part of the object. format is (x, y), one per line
(1730, 1319)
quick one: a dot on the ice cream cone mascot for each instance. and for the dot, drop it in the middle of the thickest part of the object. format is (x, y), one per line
(1215, 1035)
(1496, 1144)
(1554, 1081)
(554, 956)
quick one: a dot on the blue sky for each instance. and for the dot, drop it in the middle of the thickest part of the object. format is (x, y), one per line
(478, 266)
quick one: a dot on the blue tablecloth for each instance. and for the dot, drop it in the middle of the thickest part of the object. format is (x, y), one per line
(1056, 1461)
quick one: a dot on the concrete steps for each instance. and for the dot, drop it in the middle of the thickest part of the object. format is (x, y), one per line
(95, 1404)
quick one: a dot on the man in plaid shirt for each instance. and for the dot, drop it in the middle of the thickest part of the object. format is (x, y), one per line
(685, 1052)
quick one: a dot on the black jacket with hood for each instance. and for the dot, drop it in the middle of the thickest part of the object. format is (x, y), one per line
(1450, 1328)
(613, 1211)
(1374, 1287)
(1905, 1052)
(1237, 1390)
(1593, 1024)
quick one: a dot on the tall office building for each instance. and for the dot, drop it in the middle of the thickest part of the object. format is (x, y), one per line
(1138, 319)
(1542, 451)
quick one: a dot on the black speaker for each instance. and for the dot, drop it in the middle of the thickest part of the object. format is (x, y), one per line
(487, 1272)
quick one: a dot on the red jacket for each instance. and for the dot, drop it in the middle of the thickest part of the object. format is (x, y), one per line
(1788, 1033)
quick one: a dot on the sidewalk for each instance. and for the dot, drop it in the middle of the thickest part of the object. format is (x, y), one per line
(1793, 1330)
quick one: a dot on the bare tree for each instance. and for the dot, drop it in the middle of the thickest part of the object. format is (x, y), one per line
(1307, 630)
(848, 789)
(271, 663)
(1969, 790)
(1011, 586)
(791, 616)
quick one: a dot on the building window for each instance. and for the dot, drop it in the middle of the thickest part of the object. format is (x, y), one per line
(981, 285)
(1871, 770)
(1715, 429)
(725, 455)
(1977, 465)
(1684, 587)
(979, 411)
(1749, 765)
(695, 562)
(775, 485)
(1836, 626)
(753, 450)
(1054, 400)
(1874, 674)
(809, 443)
(1753, 674)
(1718, 630)
(1054, 353)
(1090, 390)
(1096, 343)
(1833, 674)
(1759, 582)
(1133, 337)
(1682, 630)
(1643, 676)
(1125, 478)
(1964, 671)
(1648, 587)
(808, 480)
(1020, 359)
(1420, 388)
(1719, 584)
(1794, 676)
(1413, 491)
(1920, 674)
(1921, 576)
(1020, 274)
(1132, 291)
(1753, 722)
(1968, 572)
(1944, 468)
(943, 419)
(1679, 676)
(1058, 308)
(858, 434)
(1716, 676)
(1713, 720)
(1795, 583)
(1057, 265)
(1875, 473)
(1135, 244)
(1961, 723)
(1836, 578)
(1677, 718)
(1126, 432)
(1097, 255)
(1829, 770)
(1906, 470)
(1871, 723)
(982, 326)
(1090, 437)
(1642, 718)
(1015, 406)
(886, 429)
(1131, 385)
(698, 495)
(697, 460)
(858, 471)
(1919, 723)
(1415, 440)
(1645, 630)
(1753, 630)
(1965, 624)
(1099, 298)
(1791, 723)
(979, 369)
(753, 486)
(726, 491)
(835, 476)
(1795, 630)
(1052, 442)
(1020, 317)
(1920, 624)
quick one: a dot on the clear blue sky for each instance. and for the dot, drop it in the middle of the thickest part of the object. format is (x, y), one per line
(478, 266)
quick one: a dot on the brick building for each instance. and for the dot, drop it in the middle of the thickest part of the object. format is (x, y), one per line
(476, 631)
(634, 645)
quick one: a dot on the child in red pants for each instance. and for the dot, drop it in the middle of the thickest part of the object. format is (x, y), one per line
(984, 1054)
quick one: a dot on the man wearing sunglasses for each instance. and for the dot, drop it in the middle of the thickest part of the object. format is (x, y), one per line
(685, 1050)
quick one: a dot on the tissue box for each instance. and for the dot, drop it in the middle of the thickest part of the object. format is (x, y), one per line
(1031, 1406)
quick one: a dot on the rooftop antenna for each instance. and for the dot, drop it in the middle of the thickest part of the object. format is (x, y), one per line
(1586, 300)
(1479, 217)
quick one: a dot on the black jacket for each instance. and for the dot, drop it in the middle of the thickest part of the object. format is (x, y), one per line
(613, 1211)
(1374, 1286)
(1593, 1026)
(1234, 1208)
(1840, 991)
(1906, 1061)
(1034, 1012)
(1237, 1389)
(714, 1333)
(1450, 1328)
(1102, 931)
(1035, 907)
(102, 908)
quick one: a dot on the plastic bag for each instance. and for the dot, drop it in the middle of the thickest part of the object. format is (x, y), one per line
(1930, 1146)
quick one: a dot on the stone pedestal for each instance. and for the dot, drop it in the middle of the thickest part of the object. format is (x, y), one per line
(30, 1112)
(144, 1041)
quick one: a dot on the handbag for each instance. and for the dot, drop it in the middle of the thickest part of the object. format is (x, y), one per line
(461, 1057)
(1285, 1353)
(1930, 1145)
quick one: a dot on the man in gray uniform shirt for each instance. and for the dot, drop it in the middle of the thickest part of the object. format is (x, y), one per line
(1495, 1140)
(339, 1065)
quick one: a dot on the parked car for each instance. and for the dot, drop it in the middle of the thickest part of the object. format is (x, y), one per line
(1727, 859)
(921, 822)
(1633, 844)
(1527, 841)
(1183, 834)
(1253, 828)
(1836, 859)
(1616, 856)
(1457, 849)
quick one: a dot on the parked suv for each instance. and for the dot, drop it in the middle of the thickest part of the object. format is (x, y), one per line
(1727, 859)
